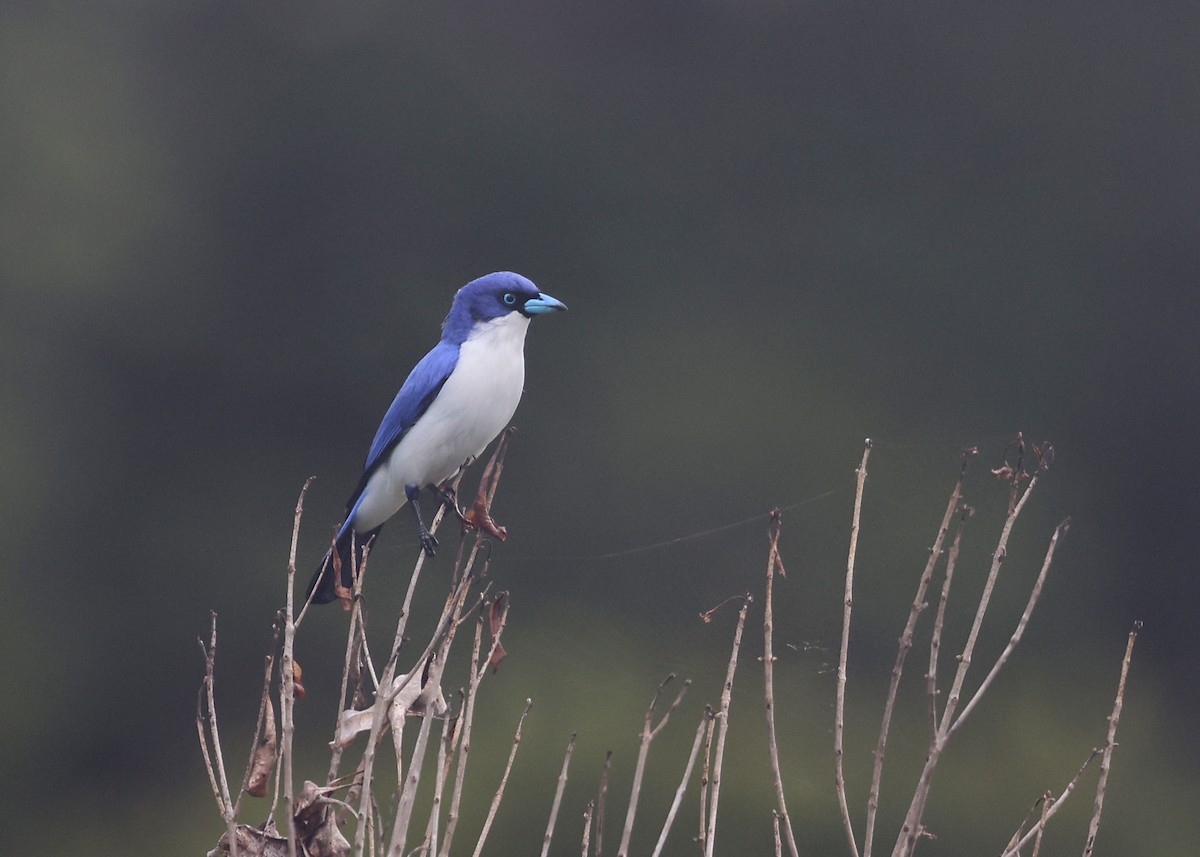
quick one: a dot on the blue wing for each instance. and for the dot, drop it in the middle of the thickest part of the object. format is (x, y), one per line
(419, 390)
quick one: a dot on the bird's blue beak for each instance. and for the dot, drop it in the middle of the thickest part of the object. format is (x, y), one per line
(543, 304)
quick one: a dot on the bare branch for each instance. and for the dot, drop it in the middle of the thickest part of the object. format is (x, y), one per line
(912, 829)
(478, 671)
(1014, 849)
(383, 700)
(587, 827)
(687, 775)
(356, 651)
(1015, 639)
(769, 684)
(839, 717)
(491, 816)
(558, 793)
(286, 672)
(1110, 743)
(906, 638)
(446, 746)
(408, 793)
(723, 730)
(935, 640)
(601, 796)
(649, 733)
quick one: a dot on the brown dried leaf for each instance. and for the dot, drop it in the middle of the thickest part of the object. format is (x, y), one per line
(495, 617)
(497, 657)
(317, 824)
(479, 518)
(297, 686)
(265, 754)
(250, 840)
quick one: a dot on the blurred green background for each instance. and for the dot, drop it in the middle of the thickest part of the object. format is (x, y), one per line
(227, 231)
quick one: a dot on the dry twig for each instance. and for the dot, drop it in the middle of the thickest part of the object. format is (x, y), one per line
(649, 733)
(769, 684)
(902, 653)
(839, 717)
(558, 793)
(1110, 743)
(491, 815)
(723, 729)
(687, 775)
(912, 829)
(601, 795)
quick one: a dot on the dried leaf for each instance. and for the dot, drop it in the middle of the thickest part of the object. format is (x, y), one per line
(265, 754)
(317, 824)
(411, 700)
(495, 622)
(497, 657)
(250, 840)
(479, 518)
(297, 686)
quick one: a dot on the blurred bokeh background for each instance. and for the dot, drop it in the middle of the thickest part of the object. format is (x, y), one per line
(227, 231)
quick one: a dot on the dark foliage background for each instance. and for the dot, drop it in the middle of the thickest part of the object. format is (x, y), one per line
(228, 230)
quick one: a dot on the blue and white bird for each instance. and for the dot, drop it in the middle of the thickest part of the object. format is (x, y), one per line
(456, 400)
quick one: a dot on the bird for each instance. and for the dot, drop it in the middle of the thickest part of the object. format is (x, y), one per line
(455, 401)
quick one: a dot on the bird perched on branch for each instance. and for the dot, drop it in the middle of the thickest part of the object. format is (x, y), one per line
(454, 402)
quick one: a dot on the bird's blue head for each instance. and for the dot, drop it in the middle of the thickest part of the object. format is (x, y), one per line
(495, 296)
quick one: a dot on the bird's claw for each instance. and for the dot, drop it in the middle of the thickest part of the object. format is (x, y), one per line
(429, 542)
(448, 498)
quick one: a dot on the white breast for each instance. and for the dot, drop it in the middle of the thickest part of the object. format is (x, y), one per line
(475, 404)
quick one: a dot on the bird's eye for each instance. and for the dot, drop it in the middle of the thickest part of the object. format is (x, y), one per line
(509, 298)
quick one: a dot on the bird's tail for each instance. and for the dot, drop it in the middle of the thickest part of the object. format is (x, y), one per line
(323, 586)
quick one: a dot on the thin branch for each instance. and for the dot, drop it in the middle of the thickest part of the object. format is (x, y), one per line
(558, 793)
(1014, 849)
(491, 816)
(912, 829)
(408, 793)
(356, 650)
(839, 717)
(216, 775)
(210, 665)
(445, 756)
(649, 733)
(587, 827)
(478, 671)
(723, 730)
(1110, 743)
(906, 638)
(601, 796)
(286, 674)
(687, 775)
(384, 700)
(705, 782)
(1015, 639)
(769, 683)
(263, 706)
(935, 640)
(1037, 842)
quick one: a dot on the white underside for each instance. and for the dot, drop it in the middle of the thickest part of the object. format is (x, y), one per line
(475, 404)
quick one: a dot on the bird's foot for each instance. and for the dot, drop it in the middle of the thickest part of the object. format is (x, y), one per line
(429, 542)
(449, 498)
(479, 518)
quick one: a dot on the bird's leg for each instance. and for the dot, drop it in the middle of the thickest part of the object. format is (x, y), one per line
(428, 542)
